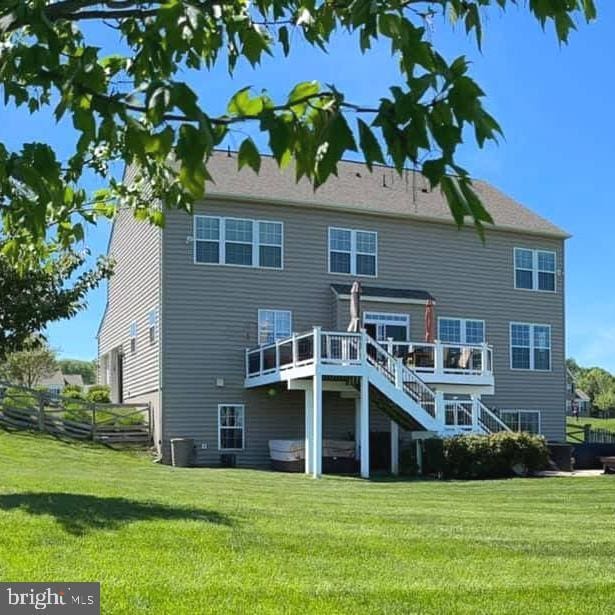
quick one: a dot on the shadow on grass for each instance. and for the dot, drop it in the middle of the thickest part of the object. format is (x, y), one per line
(79, 514)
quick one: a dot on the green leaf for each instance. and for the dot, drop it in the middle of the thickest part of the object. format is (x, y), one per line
(242, 104)
(369, 145)
(249, 155)
(283, 39)
(303, 90)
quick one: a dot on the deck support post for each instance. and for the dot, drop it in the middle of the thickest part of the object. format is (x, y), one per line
(309, 425)
(364, 402)
(440, 410)
(394, 448)
(357, 428)
(316, 461)
(475, 427)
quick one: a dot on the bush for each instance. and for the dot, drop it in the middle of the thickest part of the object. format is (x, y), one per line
(20, 399)
(72, 391)
(478, 457)
(99, 394)
(433, 456)
(408, 465)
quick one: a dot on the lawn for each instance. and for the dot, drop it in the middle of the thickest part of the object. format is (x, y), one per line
(574, 425)
(164, 540)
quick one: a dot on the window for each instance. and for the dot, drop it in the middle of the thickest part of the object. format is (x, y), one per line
(522, 420)
(238, 241)
(535, 269)
(133, 337)
(461, 331)
(230, 427)
(530, 346)
(382, 326)
(152, 318)
(352, 252)
(273, 325)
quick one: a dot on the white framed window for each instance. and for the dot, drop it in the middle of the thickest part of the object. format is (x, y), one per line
(152, 322)
(528, 421)
(461, 330)
(238, 241)
(530, 346)
(383, 325)
(231, 436)
(535, 269)
(133, 336)
(273, 325)
(353, 252)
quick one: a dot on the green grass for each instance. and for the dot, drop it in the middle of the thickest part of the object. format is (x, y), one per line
(164, 540)
(573, 425)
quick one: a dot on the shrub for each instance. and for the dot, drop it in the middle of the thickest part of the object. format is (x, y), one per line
(72, 391)
(433, 456)
(99, 394)
(478, 457)
(20, 399)
(408, 465)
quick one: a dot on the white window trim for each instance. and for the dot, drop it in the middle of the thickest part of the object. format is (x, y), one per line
(353, 252)
(154, 326)
(522, 411)
(243, 427)
(258, 324)
(535, 270)
(132, 336)
(366, 320)
(531, 368)
(222, 242)
(464, 322)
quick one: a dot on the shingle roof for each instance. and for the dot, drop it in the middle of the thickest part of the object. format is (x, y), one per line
(389, 293)
(381, 192)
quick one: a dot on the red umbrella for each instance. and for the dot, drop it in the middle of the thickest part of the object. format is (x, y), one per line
(429, 321)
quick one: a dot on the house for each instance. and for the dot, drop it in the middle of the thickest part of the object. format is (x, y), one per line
(56, 382)
(578, 402)
(232, 322)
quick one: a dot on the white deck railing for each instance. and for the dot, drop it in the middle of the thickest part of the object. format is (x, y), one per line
(343, 348)
(356, 349)
(444, 358)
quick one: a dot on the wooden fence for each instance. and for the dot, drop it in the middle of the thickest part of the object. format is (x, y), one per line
(113, 424)
(590, 435)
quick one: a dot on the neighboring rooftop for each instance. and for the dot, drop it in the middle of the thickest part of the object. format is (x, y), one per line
(383, 191)
(61, 380)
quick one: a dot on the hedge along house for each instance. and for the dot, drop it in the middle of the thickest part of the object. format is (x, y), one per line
(233, 321)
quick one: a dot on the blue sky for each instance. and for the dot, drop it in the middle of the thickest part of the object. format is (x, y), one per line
(554, 104)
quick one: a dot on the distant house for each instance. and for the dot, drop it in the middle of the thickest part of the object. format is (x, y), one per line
(576, 399)
(57, 381)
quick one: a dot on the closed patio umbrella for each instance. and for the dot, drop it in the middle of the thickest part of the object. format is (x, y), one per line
(429, 321)
(355, 308)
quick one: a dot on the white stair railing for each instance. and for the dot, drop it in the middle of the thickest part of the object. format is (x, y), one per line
(399, 375)
(343, 348)
(490, 421)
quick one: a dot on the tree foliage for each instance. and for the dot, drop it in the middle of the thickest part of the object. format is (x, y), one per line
(136, 106)
(32, 297)
(598, 383)
(87, 369)
(28, 366)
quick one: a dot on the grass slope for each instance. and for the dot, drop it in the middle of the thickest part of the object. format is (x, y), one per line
(573, 425)
(164, 540)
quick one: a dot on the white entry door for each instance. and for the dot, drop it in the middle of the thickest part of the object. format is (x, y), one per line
(382, 326)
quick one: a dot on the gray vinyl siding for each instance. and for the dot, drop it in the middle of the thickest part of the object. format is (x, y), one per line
(209, 317)
(132, 292)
